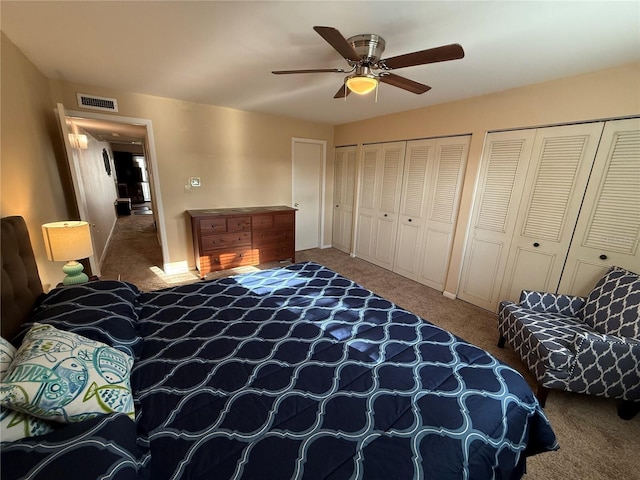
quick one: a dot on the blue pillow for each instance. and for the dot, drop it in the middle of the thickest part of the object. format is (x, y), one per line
(104, 311)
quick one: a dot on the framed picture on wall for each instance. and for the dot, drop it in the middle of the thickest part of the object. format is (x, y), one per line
(107, 163)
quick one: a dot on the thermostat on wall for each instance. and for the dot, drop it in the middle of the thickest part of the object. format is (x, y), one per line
(194, 181)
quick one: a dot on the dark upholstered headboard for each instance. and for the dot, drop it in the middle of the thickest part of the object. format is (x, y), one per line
(21, 283)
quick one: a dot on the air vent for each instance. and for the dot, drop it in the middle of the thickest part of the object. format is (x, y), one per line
(97, 103)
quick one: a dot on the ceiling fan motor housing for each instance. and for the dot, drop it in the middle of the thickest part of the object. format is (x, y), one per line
(368, 46)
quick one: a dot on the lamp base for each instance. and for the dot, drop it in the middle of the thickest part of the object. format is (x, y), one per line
(75, 274)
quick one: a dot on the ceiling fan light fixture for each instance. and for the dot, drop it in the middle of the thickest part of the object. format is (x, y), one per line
(361, 84)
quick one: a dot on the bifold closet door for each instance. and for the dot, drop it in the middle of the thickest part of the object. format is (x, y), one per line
(608, 228)
(418, 168)
(443, 201)
(379, 202)
(559, 169)
(505, 161)
(431, 188)
(343, 198)
(526, 211)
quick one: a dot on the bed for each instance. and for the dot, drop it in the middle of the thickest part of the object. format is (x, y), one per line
(293, 372)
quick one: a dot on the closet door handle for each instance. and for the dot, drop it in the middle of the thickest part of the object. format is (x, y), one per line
(385, 214)
(536, 244)
(603, 257)
(409, 219)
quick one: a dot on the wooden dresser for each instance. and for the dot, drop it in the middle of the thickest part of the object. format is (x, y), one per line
(231, 237)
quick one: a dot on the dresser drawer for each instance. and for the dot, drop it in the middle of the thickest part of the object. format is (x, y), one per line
(225, 240)
(267, 237)
(282, 251)
(212, 225)
(228, 258)
(261, 221)
(238, 224)
(283, 220)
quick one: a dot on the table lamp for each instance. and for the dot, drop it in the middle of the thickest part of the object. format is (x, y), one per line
(68, 241)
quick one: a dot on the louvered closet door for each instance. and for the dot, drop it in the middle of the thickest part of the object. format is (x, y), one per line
(443, 200)
(344, 190)
(367, 205)
(386, 225)
(502, 177)
(413, 206)
(560, 164)
(608, 228)
(377, 226)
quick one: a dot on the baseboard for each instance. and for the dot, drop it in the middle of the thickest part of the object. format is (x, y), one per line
(450, 295)
(175, 268)
(106, 245)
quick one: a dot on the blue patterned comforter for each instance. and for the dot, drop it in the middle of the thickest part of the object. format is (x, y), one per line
(299, 372)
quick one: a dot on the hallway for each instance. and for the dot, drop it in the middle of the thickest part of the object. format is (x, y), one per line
(134, 255)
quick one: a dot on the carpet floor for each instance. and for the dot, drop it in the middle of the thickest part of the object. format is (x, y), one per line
(595, 444)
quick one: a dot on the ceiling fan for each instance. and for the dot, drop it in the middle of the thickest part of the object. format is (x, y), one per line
(363, 53)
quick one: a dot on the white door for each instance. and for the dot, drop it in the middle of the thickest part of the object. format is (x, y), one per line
(443, 200)
(379, 205)
(386, 222)
(560, 164)
(308, 188)
(369, 166)
(608, 228)
(415, 189)
(343, 198)
(502, 177)
(67, 129)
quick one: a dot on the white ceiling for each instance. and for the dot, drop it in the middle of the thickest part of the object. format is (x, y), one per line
(222, 53)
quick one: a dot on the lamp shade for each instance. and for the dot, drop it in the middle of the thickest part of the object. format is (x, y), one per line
(69, 240)
(361, 84)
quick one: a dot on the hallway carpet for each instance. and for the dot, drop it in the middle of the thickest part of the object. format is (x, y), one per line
(594, 443)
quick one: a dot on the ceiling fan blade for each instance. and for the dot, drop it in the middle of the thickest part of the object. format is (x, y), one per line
(338, 42)
(404, 83)
(432, 55)
(315, 70)
(343, 92)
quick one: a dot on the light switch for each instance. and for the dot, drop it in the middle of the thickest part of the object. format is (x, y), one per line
(194, 181)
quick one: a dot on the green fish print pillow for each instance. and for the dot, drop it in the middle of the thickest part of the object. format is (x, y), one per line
(65, 377)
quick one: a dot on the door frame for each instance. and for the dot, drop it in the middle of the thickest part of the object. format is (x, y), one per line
(321, 213)
(152, 165)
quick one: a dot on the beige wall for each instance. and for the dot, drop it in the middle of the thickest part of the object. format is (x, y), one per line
(611, 93)
(31, 184)
(243, 158)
